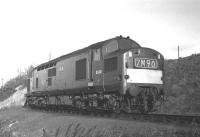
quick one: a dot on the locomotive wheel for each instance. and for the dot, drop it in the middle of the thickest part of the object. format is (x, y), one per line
(116, 108)
(146, 103)
(150, 101)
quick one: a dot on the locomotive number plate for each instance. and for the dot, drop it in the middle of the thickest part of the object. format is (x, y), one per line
(146, 63)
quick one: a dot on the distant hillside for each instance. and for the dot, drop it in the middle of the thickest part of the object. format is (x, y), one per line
(182, 85)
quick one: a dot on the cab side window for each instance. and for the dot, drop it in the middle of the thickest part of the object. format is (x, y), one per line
(51, 73)
(36, 83)
(81, 69)
(110, 64)
(97, 54)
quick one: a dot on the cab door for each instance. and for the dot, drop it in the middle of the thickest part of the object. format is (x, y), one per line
(97, 69)
(112, 77)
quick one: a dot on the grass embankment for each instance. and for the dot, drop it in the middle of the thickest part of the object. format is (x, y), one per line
(78, 130)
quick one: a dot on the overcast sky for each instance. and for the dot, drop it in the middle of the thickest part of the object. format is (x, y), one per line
(31, 29)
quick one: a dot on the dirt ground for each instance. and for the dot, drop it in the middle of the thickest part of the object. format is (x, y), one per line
(29, 123)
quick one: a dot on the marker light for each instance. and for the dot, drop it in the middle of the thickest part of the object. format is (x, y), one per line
(126, 76)
(158, 56)
(130, 54)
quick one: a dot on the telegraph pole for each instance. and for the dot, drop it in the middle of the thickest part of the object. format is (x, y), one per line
(49, 56)
(178, 52)
(178, 62)
(2, 83)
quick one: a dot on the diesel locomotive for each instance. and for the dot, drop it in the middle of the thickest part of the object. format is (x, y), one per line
(116, 74)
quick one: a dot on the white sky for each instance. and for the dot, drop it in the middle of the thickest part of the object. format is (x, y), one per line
(31, 29)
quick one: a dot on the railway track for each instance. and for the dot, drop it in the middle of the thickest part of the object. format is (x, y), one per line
(182, 120)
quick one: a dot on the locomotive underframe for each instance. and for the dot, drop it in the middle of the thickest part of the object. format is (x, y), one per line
(91, 98)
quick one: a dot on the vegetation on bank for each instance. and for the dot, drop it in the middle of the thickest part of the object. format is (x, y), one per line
(9, 87)
(182, 85)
